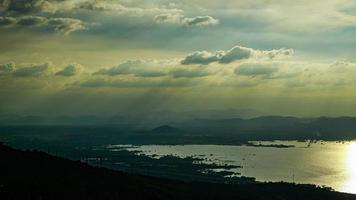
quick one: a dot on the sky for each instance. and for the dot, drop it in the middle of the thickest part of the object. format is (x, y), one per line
(108, 57)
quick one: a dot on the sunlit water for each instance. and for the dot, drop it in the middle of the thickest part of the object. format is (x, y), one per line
(328, 164)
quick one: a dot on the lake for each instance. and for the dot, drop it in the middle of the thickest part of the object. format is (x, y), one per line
(331, 164)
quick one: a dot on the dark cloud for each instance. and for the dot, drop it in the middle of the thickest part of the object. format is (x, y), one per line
(32, 71)
(31, 21)
(61, 6)
(39, 13)
(70, 70)
(7, 21)
(28, 6)
(61, 25)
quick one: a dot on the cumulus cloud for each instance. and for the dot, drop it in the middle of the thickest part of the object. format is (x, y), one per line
(178, 18)
(7, 68)
(70, 70)
(234, 54)
(32, 71)
(200, 57)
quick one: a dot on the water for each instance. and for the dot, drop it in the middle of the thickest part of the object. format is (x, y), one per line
(330, 164)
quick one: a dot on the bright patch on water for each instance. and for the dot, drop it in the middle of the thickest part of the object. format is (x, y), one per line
(350, 184)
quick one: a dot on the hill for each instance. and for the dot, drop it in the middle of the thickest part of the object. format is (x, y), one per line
(275, 128)
(166, 129)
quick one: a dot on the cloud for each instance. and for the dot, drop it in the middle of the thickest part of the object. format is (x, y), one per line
(277, 52)
(200, 21)
(70, 70)
(101, 6)
(61, 6)
(190, 73)
(341, 67)
(200, 57)
(136, 67)
(178, 18)
(40, 13)
(135, 83)
(61, 25)
(66, 25)
(234, 54)
(7, 21)
(32, 71)
(173, 18)
(119, 8)
(155, 69)
(7, 68)
(31, 21)
(109, 6)
(256, 69)
(28, 6)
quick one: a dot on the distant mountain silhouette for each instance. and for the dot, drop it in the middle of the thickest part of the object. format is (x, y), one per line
(202, 131)
(36, 175)
(275, 127)
(166, 129)
(259, 128)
